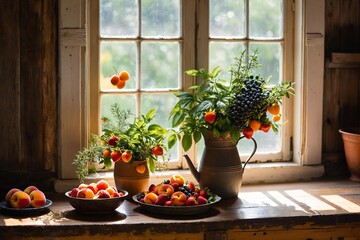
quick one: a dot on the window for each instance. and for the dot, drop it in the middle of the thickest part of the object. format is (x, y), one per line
(78, 66)
(150, 39)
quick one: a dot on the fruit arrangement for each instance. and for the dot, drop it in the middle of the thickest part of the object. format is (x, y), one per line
(98, 190)
(30, 197)
(176, 191)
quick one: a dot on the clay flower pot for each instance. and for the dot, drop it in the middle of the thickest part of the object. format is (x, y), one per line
(351, 139)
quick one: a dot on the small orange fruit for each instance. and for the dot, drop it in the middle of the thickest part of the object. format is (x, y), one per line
(276, 118)
(255, 125)
(124, 75)
(106, 153)
(140, 168)
(274, 109)
(126, 156)
(114, 80)
(121, 84)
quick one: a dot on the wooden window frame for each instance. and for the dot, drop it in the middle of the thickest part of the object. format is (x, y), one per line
(75, 104)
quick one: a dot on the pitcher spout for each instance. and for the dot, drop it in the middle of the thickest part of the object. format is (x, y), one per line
(192, 168)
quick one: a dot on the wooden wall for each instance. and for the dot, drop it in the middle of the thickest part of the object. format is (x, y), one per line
(28, 92)
(341, 81)
(28, 88)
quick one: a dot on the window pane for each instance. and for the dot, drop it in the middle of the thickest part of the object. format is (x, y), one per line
(128, 101)
(160, 65)
(269, 142)
(266, 22)
(118, 18)
(121, 56)
(163, 103)
(222, 54)
(227, 18)
(270, 57)
(160, 18)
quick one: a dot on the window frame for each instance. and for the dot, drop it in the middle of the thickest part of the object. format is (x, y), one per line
(75, 71)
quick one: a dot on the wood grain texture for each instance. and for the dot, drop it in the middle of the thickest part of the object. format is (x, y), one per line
(28, 92)
(341, 81)
(314, 210)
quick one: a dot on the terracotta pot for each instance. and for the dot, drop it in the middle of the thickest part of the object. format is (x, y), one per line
(351, 139)
(220, 168)
(127, 178)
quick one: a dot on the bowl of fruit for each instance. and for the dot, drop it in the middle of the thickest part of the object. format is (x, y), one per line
(176, 196)
(29, 200)
(96, 198)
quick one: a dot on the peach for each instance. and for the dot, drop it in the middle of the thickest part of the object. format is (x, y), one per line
(166, 189)
(20, 199)
(177, 178)
(176, 186)
(111, 191)
(102, 185)
(93, 187)
(150, 198)
(178, 198)
(9, 194)
(29, 189)
(85, 193)
(102, 194)
(83, 185)
(74, 192)
(37, 199)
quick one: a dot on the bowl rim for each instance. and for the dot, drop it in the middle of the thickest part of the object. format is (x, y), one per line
(126, 193)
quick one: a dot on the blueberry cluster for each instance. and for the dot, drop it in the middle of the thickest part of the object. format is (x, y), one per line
(188, 192)
(248, 101)
(140, 196)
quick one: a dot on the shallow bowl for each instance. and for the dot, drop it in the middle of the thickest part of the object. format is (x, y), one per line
(96, 206)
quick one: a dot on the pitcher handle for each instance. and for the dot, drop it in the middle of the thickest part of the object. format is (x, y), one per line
(252, 154)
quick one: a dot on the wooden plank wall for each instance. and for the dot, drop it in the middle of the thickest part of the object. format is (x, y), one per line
(342, 81)
(28, 92)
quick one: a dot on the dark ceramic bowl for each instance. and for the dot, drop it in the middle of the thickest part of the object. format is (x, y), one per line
(96, 206)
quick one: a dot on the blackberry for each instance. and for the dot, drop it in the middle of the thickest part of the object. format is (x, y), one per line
(248, 102)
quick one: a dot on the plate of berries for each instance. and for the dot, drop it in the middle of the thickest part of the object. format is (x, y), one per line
(176, 197)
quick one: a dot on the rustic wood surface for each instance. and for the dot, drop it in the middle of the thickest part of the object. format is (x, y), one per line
(315, 210)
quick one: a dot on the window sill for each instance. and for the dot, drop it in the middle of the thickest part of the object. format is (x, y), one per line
(253, 174)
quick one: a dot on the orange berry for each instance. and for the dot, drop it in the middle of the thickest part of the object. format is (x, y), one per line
(255, 125)
(140, 168)
(274, 109)
(106, 153)
(126, 156)
(276, 118)
(121, 84)
(114, 80)
(124, 75)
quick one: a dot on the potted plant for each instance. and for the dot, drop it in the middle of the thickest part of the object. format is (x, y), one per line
(134, 149)
(226, 110)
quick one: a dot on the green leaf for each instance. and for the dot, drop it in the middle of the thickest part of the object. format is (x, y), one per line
(172, 140)
(178, 118)
(186, 141)
(151, 113)
(197, 136)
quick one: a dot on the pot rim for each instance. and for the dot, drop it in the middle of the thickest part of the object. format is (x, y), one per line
(350, 131)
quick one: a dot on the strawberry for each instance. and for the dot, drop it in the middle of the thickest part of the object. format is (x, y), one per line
(210, 117)
(248, 132)
(112, 140)
(203, 193)
(158, 151)
(265, 128)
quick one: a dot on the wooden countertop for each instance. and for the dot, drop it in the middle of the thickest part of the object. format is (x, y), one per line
(280, 207)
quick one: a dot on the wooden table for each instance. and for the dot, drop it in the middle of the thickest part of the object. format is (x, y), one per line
(312, 210)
